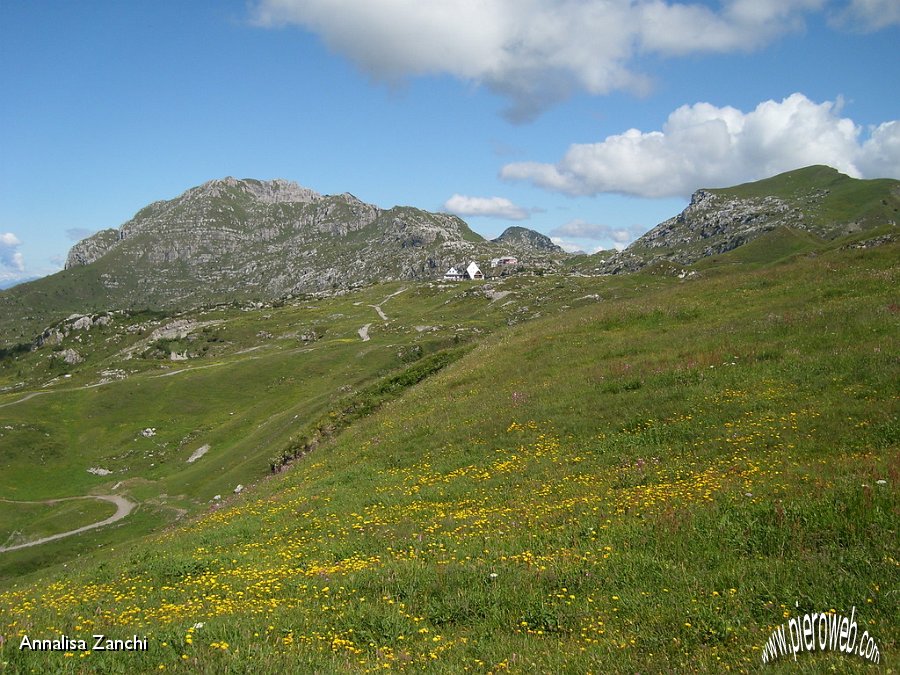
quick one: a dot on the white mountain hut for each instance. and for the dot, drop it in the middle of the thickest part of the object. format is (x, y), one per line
(473, 271)
(453, 274)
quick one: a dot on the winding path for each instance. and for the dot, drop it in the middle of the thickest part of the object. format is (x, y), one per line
(364, 331)
(381, 313)
(377, 307)
(169, 373)
(27, 397)
(123, 508)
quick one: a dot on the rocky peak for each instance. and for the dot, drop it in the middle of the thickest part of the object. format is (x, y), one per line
(232, 238)
(523, 238)
(815, 199)
(711, 224)
(265, 191)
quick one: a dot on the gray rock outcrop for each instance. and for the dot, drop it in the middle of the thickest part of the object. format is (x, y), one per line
(817, 199)
(70, 356)
(88, 250)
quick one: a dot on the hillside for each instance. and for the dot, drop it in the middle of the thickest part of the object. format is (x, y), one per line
(248, 384)
(625, 473)
(817, 200)
(246, 240)
(520, 239)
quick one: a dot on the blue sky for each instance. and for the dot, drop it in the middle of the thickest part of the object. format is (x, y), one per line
(588, 120)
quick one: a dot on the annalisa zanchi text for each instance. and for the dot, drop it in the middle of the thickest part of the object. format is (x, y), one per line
(97, 643)
(825, 631)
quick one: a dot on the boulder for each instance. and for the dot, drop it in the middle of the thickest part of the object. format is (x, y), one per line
(70, 356)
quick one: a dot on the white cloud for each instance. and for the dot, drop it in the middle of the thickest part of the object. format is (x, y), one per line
(702, 145)
(496, 207)
(567, 245)
(868, 15)
(534, 52)
(9, 239)
(10, 257)
(741, 25)
(580, 235)
(880, 154)
(581, 229)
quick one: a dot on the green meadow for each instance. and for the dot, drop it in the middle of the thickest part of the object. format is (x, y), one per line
(587, 474)
(258, 386)
(42, 520)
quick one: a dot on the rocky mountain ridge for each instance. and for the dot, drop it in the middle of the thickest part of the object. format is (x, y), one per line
(274, 238)
(816, 199)
(251, 240)
(232, 240)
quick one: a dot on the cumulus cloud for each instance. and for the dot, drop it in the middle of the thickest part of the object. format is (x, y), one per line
(567, 245)
(702, 145)
(880, 154)
(581, 229)
(11, 259)
(496, 207)
(868, 15)
(533, 52)
(740, 25)
(572, 236)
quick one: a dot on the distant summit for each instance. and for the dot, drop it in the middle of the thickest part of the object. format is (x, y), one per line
(816, 199)
(251, 240)
(277, 191)
(523, 239)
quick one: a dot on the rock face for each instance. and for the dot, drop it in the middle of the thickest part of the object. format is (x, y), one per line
(76, 322)
(249, 239)
(88, 250)
(711, 224)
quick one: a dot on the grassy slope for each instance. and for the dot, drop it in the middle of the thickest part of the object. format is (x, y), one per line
(248, 398)
(774, 246)
(868, 202)
(648, 482)
(41, 520)
(24, 309)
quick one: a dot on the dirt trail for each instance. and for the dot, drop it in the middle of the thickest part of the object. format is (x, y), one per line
(170, 373)
(377, 307)
(381, 313)
(123, 508)
(30, 396)
(27, 397)
(364, 331)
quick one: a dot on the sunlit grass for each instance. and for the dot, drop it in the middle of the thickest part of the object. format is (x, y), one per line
(652, 483)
